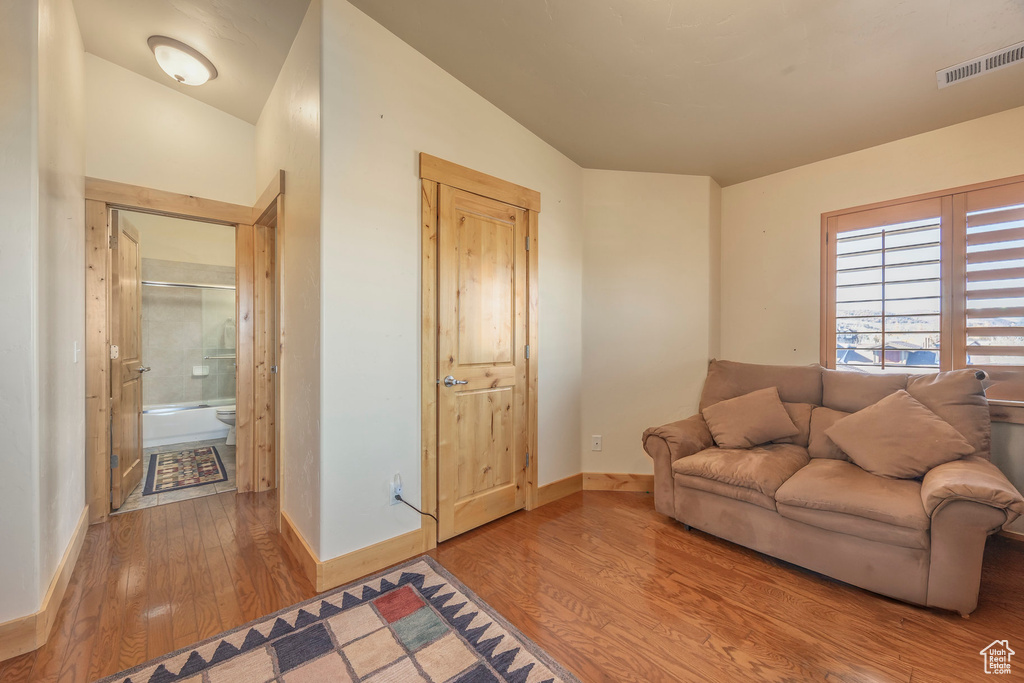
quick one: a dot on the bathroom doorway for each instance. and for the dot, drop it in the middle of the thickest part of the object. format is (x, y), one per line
(182, 347)
(188, 357)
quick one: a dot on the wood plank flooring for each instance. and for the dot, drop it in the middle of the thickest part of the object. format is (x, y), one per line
(611, 589)
(152, 581)
(617, 592)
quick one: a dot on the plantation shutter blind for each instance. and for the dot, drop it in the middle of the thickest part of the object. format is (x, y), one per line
(930, 283)
(886, 288)
(989, 330)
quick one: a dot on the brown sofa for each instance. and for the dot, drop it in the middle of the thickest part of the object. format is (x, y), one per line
(918, 540)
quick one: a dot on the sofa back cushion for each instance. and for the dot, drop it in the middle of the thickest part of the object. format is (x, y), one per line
(852, 391)
(820, 446)
(958, 397)
(728, 379)
(800, 414)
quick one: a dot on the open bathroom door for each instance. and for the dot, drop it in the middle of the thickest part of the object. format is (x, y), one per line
(126, 367)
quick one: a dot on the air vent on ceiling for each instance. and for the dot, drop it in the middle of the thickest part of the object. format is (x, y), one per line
(980, 65)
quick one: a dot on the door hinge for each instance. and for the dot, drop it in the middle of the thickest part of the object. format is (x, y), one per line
(114, 461)
(273, 369)
(527, 458)
(112, 240)
(527, 350)
(527, 243)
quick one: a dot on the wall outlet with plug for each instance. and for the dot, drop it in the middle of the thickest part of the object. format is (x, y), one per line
(395, 489)
(595, 442)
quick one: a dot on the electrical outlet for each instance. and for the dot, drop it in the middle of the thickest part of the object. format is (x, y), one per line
(395, 489)
(595, 442)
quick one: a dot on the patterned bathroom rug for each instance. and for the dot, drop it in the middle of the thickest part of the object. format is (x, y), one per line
(176, 470)
(413, 623)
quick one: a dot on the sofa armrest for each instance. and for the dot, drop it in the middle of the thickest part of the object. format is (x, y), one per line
(974, 479)
(682, 438)
(665, 445)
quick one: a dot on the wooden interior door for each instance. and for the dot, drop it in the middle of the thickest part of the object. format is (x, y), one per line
(482, 408)
(126, 368)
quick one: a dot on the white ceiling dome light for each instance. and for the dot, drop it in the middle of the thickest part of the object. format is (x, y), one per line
(181, 62)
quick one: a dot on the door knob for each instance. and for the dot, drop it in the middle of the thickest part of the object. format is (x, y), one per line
(145, 368)
(450, 381)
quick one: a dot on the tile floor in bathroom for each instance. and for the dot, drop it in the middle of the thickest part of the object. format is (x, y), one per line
(137, 501)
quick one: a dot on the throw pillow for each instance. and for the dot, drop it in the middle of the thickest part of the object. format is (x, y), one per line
(898, 437)
(749, 420)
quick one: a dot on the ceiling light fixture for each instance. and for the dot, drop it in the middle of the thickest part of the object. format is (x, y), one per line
(182, 63)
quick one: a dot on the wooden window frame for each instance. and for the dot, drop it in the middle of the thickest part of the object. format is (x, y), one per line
(952, 351)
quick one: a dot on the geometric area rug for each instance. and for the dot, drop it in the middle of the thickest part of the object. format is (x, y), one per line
(412, 623)
(176, 470)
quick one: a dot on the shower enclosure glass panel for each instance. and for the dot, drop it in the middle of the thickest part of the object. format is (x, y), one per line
(189, 342)
(218, 335)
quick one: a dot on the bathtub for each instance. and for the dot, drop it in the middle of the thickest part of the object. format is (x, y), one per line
(182, 422)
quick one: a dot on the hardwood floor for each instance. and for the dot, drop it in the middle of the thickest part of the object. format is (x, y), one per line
(610, 588)
(158, 579)
(617, 592)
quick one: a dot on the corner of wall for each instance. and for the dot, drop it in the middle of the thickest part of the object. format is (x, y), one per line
(288, 137)
(715, 269)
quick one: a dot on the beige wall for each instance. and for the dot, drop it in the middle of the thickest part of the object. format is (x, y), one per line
(647, 307)
(771, 236)
(144, 133)
(176, 239)
(771, 226)
(60, 283)
(383, 103)
(42, 388)
(19, 492)
(288, 137)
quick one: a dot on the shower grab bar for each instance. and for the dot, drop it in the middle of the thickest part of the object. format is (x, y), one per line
(218, 357)
(156, 283)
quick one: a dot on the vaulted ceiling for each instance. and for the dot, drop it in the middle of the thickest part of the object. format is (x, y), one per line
(247, 40)
(735, 89)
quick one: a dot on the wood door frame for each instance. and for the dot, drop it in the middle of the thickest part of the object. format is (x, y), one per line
(435, 172)
(100, 197)
(268, 213)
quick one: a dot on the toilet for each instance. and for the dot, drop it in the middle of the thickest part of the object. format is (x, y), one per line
(226, 414)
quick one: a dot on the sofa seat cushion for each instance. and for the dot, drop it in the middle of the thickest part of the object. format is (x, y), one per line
(840, 496)
(749, 474)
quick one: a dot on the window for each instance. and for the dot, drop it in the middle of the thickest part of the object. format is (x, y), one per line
(934, 282)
